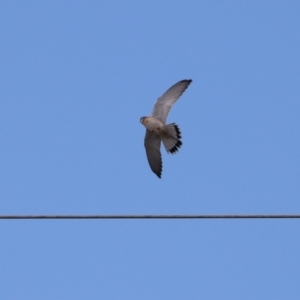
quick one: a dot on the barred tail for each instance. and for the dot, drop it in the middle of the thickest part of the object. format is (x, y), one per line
(171, 139)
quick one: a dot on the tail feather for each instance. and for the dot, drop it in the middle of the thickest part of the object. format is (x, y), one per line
(172, 140)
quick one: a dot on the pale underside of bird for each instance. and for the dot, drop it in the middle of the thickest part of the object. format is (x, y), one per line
(158, 131)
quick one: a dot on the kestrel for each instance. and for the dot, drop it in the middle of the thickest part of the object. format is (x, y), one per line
(157, 130)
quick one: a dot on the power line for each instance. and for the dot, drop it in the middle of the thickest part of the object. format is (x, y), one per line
(77, 217)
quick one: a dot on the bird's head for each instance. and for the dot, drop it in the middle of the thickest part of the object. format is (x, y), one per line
(142, 120)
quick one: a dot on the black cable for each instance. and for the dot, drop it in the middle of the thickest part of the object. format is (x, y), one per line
(177, 216)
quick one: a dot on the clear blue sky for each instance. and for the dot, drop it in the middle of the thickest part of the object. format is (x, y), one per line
(76, 76)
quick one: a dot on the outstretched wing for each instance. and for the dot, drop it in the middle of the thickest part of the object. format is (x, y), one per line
(165, 102)
(152, 144)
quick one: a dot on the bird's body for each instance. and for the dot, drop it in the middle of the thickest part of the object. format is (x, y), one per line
(153, 124)
(157, 130)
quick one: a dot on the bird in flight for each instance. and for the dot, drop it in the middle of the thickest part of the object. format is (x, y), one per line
(157, 130)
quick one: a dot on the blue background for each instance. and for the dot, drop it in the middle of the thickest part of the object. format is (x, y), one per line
(75, 78)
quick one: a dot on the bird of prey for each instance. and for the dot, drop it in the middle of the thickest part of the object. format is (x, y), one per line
(157, 130)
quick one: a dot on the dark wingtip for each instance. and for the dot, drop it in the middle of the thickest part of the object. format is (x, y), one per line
(189, 81)
(158, 174)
